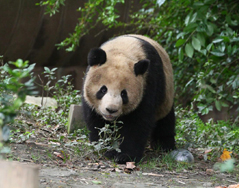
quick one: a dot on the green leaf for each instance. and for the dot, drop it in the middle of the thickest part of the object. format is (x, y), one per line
(210, 88)
(201, 38)
(18, 63)
(217, 53)
(224, 104)
(194, 17)
(209, 46)
(17, 103)
(47, 69)
(217, 40)
(31, 67)
(225, 39)
(218, 105)
(189, 50)
(222, 47)
(180, 42)
(180, 54)
(54, 69)
(196, 44)
(204, 52)
(210, 29)
(191, 27)
(235, 40)
(187, 19)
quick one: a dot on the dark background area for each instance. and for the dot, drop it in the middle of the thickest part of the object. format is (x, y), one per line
(26, 32)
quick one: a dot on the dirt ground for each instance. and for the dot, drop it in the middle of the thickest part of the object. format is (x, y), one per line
(55, 172)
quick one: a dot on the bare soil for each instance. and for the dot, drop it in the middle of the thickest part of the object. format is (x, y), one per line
(57, 172)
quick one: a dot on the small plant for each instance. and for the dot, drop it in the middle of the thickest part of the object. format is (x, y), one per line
(109, 138)
(63, 92)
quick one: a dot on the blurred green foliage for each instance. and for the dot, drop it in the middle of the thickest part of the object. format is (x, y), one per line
(12, 94)
(12, 91)
(201, 37)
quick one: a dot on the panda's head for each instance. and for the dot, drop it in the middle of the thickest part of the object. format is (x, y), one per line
(114, 83)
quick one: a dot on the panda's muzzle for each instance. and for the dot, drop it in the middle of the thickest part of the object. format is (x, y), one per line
(111, 111)
(109, 117)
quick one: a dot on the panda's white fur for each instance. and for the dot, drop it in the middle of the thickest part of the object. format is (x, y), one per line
(117, 73)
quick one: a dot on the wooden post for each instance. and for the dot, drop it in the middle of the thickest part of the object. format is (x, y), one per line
(18, 175)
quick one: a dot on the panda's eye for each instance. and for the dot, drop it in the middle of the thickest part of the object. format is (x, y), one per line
(103, 89)
(124, 96)
(123, 93)
(100, 94)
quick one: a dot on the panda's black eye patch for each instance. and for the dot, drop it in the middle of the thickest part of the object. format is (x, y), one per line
(101, 92)
(124, 96)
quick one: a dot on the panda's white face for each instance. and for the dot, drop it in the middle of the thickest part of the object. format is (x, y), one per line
(111, 102)
(113, 91)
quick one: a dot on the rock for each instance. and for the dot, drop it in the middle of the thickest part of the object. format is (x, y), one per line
(39, 101)
(75, 118)
(182, 155)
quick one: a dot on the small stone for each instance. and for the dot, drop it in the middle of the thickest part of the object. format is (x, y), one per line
(182, 155)
(103, 167)
(207, 184)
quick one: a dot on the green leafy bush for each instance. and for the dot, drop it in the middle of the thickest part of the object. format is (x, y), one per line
(191, 131)
(13, 93)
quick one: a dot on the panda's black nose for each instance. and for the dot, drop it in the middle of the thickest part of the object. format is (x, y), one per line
(111, 111)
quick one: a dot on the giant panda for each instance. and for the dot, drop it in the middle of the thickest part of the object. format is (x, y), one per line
(130, 79)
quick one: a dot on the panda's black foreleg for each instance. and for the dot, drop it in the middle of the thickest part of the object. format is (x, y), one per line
(163, 134)
(135, 135)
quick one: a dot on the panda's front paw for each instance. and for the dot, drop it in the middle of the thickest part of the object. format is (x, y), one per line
(111, 154)
(122, 158)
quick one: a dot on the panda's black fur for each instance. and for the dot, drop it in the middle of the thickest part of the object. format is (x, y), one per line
(139, 126)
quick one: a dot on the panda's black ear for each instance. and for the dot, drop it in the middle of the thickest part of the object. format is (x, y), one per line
(96, 56)
(141, 67)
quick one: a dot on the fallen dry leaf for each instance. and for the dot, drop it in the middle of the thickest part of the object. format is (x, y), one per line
(233, 186)
(230, 186)
(208, 151)
(58, 155)
(209, 171)
(54, 143)
(225, 155)
(130, 165)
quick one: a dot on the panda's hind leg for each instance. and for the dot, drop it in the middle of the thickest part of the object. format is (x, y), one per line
(163, 134)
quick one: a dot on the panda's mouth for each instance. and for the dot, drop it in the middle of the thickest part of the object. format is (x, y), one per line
(109, 117)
